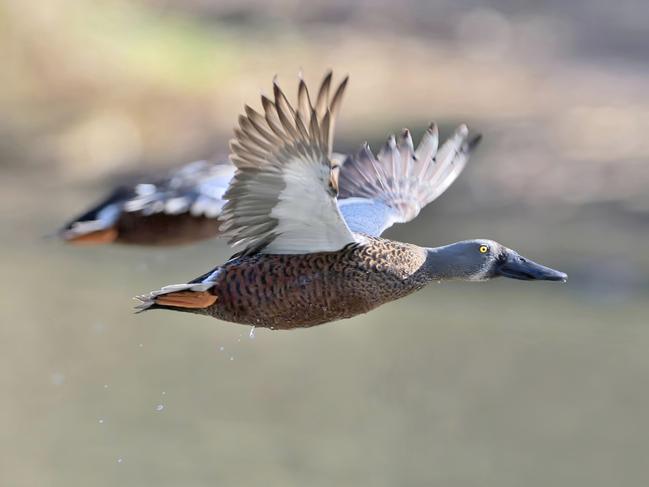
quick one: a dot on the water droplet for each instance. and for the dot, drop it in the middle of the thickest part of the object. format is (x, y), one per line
(164, 393)
(141, 345)
(231, 358)
(105, 386)
(221, 348)
(439, 282)
(98, 327)
(120, 460)
(251, 335)
(57, 378)
(100, 420)
(159, 407)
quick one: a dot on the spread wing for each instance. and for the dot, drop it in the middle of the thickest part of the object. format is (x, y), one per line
(393, 186)
(282, 198)
(196, 188)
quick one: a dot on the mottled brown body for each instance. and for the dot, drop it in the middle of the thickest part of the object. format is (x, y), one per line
(163, 229)
(290, 291)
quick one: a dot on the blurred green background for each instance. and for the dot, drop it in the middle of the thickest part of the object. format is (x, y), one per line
(501, 384)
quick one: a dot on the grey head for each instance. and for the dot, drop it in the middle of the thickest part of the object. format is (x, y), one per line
(481, 260)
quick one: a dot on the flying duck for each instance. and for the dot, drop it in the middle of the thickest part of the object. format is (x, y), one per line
(179, 208)
(308, 232)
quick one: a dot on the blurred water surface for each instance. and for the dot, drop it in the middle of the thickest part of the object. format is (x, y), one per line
(504, 383)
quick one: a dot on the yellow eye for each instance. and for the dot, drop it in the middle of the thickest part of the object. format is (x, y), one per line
(484, 249)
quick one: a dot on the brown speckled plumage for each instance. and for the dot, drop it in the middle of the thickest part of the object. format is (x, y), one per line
(289, 291)
(162, 229)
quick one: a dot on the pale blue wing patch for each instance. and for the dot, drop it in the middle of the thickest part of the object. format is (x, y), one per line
(367, 216)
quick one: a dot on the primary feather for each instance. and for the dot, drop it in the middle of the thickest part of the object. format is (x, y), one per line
(282, 198)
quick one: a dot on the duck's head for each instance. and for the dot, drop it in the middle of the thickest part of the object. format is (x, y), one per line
(480, 260)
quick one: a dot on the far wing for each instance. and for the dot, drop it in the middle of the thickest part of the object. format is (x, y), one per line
(282, 198)
(392, 187)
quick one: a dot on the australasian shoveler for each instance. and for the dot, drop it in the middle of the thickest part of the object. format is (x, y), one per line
(180, 208)
(311, 255)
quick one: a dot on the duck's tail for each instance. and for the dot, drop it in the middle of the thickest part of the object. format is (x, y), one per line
(193, 296)
(97, 225)
(182, 297)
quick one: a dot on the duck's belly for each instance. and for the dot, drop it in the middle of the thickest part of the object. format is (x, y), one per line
(289, 291)
(163, 229)
(279, 298)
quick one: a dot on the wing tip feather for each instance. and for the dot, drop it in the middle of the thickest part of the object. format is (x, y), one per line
(474, 142)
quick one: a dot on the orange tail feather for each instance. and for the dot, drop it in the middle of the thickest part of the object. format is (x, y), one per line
(187, 299)
(94, 238)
